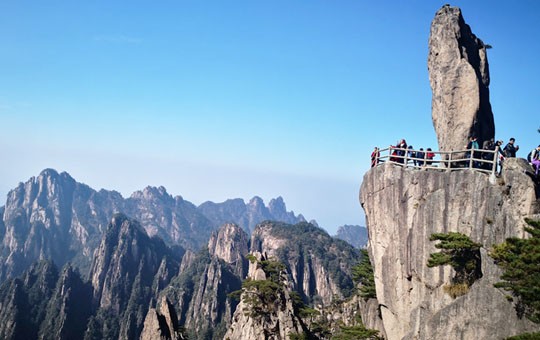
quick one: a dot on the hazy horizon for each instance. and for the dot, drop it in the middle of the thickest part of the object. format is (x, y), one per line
(219, 100)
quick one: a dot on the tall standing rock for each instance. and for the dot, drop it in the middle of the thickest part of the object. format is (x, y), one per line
(459, 78)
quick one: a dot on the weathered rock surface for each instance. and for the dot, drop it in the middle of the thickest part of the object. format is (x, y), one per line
(320, 266)
(278, 322)
(403, 208)
(231, 244)
(459, 78)
(161, 323)
(126, 266)
(348, 312)
(200, 292)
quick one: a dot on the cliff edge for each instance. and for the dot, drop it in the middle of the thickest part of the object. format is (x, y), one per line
(403, 208)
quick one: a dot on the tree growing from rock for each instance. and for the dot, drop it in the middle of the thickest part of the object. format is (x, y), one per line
(520, 259)
(460, 252)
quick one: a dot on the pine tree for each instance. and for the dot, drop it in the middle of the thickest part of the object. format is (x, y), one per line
(520, 260)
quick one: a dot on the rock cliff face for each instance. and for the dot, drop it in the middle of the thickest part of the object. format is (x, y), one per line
(126, 274)
(459, 78)
(162, 323)
(231, 244)
(199, 293)
(45, 304)
(277, 319)
(320, 266)
(403, 208)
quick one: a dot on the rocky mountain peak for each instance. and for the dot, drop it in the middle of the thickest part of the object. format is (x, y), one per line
(265, 313)
(459, 78)
(126, 267)
(256, 202)
(277, 204)
(230, 243)
(153, 193)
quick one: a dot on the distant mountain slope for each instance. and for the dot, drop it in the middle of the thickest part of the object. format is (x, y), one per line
(247, 216)
(353, 234)
(54, 217)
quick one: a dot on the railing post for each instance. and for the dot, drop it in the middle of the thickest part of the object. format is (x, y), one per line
(494, 165)
(405, 161)
(449, 164)
(471, 155)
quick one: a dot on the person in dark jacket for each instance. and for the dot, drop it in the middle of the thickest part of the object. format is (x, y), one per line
(510, 149)
(375, 157)
(421, 155)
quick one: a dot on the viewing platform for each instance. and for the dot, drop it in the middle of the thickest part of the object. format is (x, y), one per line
(474, 159)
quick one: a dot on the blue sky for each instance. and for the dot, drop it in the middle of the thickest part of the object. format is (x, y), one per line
(226, 99)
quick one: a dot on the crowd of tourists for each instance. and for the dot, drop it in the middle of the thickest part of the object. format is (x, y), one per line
(484, 157)
(403, 153)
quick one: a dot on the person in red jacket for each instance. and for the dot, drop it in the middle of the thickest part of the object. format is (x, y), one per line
(429, 156)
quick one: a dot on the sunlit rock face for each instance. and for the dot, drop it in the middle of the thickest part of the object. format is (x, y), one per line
(403, 208)
(459, 78)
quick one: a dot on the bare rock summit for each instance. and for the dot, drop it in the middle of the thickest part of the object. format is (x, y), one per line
(459, 78)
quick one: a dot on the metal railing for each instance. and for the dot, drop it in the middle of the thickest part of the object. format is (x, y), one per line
(475, 159)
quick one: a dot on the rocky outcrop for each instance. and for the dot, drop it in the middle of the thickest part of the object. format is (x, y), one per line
(173, 219)
(200, 292)
(348, 312)
(355, 235)
(231, 244)
(126, 266)
(403, 208)
(162, 323)
(38, 224)
(459, 78)
(269, 321)
(320, 266)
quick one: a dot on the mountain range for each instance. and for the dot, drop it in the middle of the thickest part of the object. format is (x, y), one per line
(76, 263)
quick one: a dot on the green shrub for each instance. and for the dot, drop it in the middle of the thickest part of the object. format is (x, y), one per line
(363, 273)
(525, 336)
(358, 332)
(519, 259)
(458, 251)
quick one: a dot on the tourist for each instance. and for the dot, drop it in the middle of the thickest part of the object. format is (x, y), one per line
(488, 145)
(498, 148)
(420, 156)
(402, 146)
(411, 154)
(429, 156)
(375, 157)
(473, 145)
(510, 149)
(535, 159)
